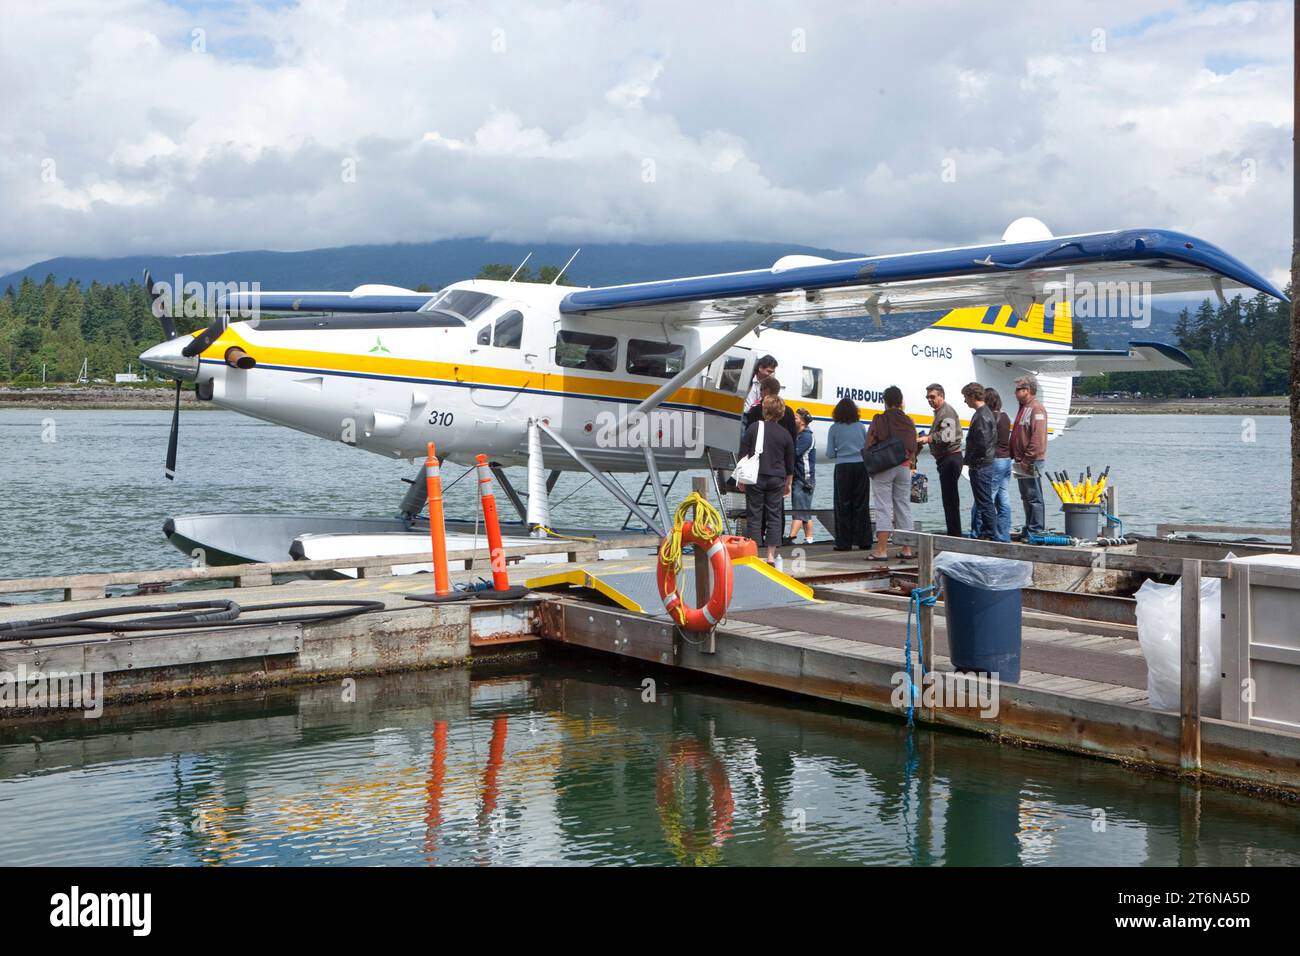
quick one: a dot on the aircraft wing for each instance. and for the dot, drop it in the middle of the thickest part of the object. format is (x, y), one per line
(1138, 357)
(1018, 273)
(364, 298)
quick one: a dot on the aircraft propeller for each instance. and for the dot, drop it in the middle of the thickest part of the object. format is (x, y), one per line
(162, 310)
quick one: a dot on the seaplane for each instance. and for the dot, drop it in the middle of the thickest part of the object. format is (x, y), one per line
(647, 377)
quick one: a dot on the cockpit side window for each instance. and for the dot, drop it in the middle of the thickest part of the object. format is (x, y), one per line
(505, 332)
(510, 330)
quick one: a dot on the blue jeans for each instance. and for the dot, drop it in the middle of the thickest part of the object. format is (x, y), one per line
(1001, 501)
(1031, 496)
(986, 515)
(1002, 496)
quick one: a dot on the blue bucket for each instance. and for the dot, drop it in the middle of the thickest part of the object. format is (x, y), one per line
(983, 629)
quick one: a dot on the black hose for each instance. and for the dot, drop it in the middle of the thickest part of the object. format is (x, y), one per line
(184, 615)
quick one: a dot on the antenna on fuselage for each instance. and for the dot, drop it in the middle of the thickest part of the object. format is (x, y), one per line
(566, 266)
(518, 267)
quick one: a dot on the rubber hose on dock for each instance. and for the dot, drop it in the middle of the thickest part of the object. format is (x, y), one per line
(182, 615)
(1052, 539)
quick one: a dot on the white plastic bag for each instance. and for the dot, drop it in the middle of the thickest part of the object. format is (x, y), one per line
(991, 574)
(746, 470)
(1159, 621)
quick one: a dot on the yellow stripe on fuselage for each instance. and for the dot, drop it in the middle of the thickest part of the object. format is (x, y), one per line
(555, 382)
(537, 380)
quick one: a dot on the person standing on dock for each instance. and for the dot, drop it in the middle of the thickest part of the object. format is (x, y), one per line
(771, 386)
(981, 451)
(1028, 452)
(891, 489)
(764, 520)
(845, 440)
(1001, 470)
(944, 440)
(764, 369)
(805, 478)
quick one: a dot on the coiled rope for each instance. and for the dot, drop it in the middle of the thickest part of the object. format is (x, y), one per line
(707, 526)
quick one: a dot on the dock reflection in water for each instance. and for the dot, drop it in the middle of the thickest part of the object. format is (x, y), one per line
(570, 762)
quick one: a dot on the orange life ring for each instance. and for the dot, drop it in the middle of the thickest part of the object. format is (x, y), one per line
(703, 618)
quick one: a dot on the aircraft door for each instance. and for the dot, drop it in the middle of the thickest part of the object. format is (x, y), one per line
(504, 358)
(729, 374)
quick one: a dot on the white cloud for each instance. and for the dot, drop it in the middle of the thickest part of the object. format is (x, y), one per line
(538, 121)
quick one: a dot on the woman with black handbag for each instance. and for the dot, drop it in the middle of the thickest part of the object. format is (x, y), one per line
(890, 456)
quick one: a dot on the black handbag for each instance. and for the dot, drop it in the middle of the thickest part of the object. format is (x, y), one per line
(884, 456)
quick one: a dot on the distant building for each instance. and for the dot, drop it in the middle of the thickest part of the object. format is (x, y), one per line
(126, 378)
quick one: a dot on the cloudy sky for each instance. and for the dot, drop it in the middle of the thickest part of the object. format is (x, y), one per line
(139, 126)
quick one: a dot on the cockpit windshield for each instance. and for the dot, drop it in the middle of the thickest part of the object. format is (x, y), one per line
(460, 302)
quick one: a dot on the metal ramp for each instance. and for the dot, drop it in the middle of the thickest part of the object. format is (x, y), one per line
(631, 584)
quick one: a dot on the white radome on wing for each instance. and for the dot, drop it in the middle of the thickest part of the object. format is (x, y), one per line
(379, 289)
(1026, 229)
(797, 262)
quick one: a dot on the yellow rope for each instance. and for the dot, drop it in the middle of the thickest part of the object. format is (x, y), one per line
(707, 526)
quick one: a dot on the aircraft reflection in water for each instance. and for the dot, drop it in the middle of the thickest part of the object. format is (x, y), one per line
(571, 765)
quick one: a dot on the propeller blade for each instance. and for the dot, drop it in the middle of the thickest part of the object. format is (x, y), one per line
(170, 471)
(200, 342)
(160, 307)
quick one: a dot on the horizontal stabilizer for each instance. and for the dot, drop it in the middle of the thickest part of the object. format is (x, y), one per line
(1138, 357)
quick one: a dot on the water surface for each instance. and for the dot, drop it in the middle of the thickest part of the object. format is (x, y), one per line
(94, 499)
(568, 761)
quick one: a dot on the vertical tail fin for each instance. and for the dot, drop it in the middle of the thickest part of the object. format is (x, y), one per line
(1041, 323)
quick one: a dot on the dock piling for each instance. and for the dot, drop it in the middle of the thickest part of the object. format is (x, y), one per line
(702, 585)
(925, 612)
(1189, 698)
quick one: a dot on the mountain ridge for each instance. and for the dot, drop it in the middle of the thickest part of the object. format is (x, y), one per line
(435, 263)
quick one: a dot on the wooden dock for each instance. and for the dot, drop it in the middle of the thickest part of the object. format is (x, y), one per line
(1082, 688)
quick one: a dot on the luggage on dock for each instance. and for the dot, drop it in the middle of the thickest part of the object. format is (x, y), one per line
(982, 603)
(1160, 623)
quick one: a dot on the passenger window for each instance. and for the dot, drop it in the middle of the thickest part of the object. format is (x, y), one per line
(811, 386)
(510, 331)
(485, 335)
(729, 380)
(660, 359)
(596, 353)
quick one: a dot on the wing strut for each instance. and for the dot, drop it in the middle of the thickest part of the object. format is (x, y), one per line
(609, 484)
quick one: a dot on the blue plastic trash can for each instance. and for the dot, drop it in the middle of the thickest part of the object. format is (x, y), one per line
(983, 628)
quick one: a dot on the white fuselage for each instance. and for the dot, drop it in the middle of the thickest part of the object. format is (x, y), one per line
(390, 384)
